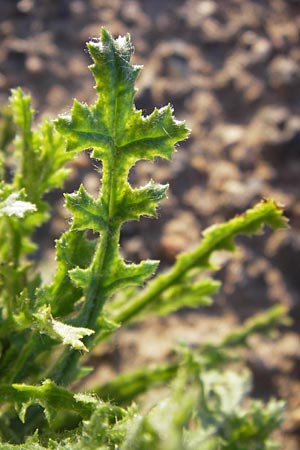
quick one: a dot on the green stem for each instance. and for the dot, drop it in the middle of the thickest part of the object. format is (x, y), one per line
(219, 238)
(24, 354)
(125, 387)
(96, 294)
(161, 283)
(49, 395)
(94, 297)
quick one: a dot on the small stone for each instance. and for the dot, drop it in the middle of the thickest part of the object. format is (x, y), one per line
(230, 134)
(283, 71)
(91, 183)
(206, 8)
(34, 64)
(78, 7)
(180, 234)
(25, 6)
(56, 96)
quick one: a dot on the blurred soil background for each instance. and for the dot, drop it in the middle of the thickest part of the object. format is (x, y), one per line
(232, 70)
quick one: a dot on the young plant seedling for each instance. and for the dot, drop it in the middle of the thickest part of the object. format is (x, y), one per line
(46, 328)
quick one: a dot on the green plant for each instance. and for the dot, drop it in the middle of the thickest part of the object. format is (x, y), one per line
(45, 329)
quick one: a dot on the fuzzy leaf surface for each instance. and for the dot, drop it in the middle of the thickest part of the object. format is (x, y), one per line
(58, 330)
(41, 152)
(50, 396)
(119, 135)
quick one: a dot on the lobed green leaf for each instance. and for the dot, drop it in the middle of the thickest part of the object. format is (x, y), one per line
(119, 136)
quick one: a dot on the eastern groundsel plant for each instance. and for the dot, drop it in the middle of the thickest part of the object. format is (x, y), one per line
(46, 329)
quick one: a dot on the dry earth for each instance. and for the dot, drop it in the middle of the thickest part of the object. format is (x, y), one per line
(232, 70)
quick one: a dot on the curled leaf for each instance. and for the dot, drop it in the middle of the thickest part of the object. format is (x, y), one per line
(67, 334)
(71, 335)
(13, 206)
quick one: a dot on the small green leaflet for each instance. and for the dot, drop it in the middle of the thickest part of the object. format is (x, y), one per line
(66, 333)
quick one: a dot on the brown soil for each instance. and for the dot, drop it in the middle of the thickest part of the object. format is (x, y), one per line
(232, 71)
